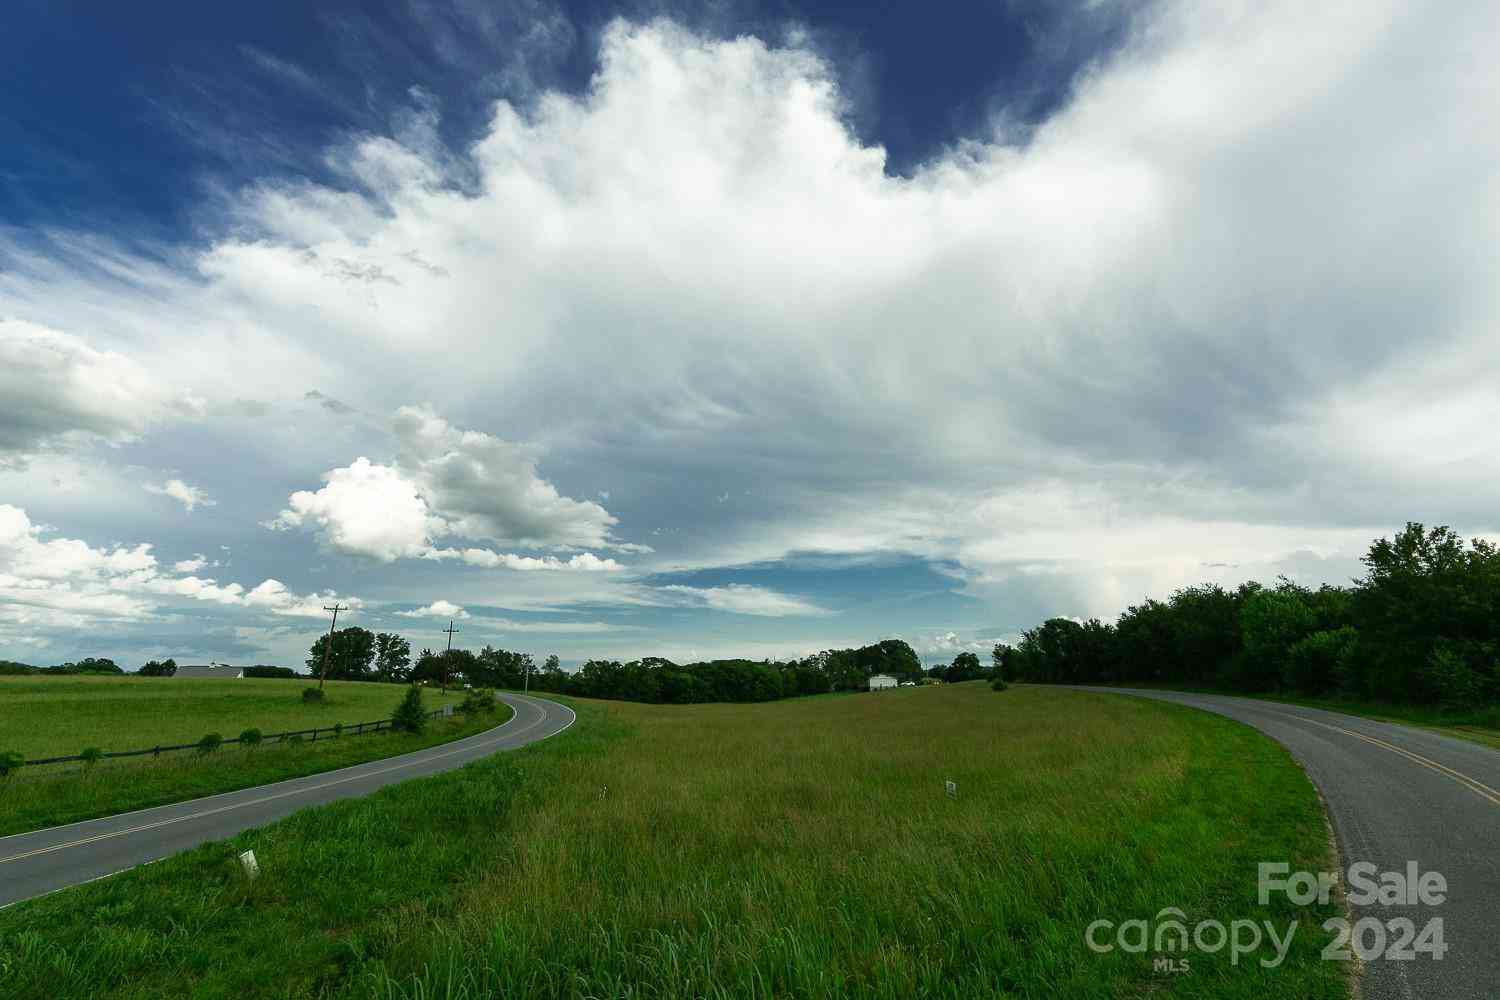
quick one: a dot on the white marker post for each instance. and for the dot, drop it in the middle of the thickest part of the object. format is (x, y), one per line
(952, 787)
(247, 861)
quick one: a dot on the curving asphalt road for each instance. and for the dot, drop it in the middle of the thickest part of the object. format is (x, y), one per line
(42, 861)
(1397, 795)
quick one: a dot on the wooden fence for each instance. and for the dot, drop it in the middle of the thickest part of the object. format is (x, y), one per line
(330, 732)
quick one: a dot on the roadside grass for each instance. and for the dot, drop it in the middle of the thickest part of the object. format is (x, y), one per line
(53, 795)
(1478, 724)
(136, 710)
(799, 848)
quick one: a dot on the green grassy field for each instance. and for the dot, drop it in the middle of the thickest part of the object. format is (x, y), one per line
(802, 848)
(55, 716)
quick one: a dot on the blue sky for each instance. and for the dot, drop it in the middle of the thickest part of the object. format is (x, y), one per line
(732, 329)
(119, 111)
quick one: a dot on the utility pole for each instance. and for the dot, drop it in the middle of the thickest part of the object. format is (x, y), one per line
(526, 684)
(447, 657)
(337, 607)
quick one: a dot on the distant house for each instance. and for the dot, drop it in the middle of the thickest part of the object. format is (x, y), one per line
(209, 671)
(881, 681)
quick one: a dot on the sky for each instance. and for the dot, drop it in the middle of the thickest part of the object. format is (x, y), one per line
(729, 329)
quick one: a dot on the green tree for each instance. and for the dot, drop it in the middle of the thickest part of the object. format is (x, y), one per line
(965, 667)
(1272, 622)
(392, 658)
(164, 668)
(1003, 660)
(1426, 605)
(350, 658)
(410, 715)
(1317, 664)
(428, 668)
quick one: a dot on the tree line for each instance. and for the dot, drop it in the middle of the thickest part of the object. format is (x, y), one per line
(87, 665)
(1421, 626)
(658, 680)
(104, 665)
(357, 654)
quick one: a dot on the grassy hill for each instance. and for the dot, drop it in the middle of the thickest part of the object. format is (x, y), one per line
(804, 848)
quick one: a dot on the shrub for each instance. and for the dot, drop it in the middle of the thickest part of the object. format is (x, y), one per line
(1313, 663)
(312, 695)
(91, 755)
(210, 743)
(10, 762)
(997, 683)
(410, 716)
(478, 701)
(1448, 676)
(250, 738)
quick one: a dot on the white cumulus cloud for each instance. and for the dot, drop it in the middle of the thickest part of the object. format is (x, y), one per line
(67, 581)
(57, 388)
(450, 482)
(366, 509)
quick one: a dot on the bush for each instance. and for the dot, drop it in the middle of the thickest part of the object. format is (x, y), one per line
(410, 716)
(250, 738)
(997, 683)
(1313, 664)
(1448, 678)
(312, 695)
(91, 756)
(478, 701)
(210, 743)
(10, 762)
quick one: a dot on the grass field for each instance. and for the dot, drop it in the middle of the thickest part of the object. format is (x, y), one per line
(800, 848)
(56, 716)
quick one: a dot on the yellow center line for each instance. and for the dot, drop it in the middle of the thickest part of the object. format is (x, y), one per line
(268, 798)
(1472, 784)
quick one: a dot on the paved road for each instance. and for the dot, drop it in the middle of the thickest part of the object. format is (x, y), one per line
(39, 862)
(1398, 795)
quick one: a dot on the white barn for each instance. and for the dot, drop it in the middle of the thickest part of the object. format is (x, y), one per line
(880, 682)
(208, 671)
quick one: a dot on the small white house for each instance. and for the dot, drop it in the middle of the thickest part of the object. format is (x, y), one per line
(882, 681)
